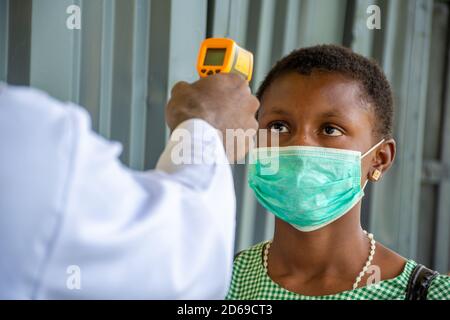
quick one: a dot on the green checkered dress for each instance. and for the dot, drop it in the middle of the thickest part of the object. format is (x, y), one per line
(251, 282)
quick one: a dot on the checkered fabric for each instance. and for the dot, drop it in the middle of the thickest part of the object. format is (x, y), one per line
(251, 282)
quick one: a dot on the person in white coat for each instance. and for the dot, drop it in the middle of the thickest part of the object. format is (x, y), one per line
(75, 223)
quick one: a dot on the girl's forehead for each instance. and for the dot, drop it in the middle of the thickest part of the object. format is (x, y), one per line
(326, 92)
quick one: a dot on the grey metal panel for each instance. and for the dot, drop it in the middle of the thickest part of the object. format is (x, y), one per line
(106, 67)
(379, 37)
(384, 220)
(218, 19)
(177, 28)
(160, 23)
(91, 59)
(361, 40)
(322, 21)
(241, 28)
(396, 197)
(431, 147)
(286, 28)
(122, 76)
(19, 42)
(259, 40)
(188, 27)
(4, 21)
(76, 60)
(260, 37)
(54, 51)
(436, 81)
(228, 18)
(130, 73)
(225, 18)
(139, 85)
(442, 256)
(362, 37)
(421, 12)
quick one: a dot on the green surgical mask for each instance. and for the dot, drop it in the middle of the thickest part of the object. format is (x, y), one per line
(308, 187)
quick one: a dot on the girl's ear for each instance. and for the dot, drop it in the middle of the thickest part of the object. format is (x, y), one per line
(383, 160)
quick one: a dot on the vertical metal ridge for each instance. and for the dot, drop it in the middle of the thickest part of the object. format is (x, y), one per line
(139, 85)
(4, 39)
(107, 65)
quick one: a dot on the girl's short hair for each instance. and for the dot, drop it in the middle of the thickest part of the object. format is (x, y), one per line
(375, 87)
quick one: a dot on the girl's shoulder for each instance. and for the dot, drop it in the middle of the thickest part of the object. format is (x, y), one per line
(251, 254)
(246, 267)
(439, 288)
(248, 261)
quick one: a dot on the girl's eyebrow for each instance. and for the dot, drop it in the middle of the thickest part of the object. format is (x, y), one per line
(334, 114)
(278, 110)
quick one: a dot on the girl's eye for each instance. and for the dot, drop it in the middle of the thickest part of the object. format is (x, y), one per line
(278, 127)
(331, 131)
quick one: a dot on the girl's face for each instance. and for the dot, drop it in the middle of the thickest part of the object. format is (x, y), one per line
(321, 110)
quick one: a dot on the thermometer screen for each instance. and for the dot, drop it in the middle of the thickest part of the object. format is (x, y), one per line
(214, 57)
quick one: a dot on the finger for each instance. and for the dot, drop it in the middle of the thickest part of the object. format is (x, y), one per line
(254, 104)
(250, 105)
(236, 80)
(179, 87)
(254, 124)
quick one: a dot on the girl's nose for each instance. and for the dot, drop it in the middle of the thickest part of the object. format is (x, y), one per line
(302, 138)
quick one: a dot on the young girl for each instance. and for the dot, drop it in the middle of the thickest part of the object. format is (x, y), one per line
(333, 112)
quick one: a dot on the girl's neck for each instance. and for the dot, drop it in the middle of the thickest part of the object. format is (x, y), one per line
(339, 248)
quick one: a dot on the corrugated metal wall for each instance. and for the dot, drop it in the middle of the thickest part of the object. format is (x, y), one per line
(128, 54)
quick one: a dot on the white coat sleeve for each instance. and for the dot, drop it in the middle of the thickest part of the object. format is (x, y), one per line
(76, 223)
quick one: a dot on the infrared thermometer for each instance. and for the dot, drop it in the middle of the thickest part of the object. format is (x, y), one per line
(222, 55)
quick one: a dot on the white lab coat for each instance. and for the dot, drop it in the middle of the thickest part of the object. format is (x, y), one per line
(76, 223)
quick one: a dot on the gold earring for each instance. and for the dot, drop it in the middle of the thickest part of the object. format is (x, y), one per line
(376, 175)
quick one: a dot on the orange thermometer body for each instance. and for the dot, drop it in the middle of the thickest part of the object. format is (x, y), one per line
(222, 55)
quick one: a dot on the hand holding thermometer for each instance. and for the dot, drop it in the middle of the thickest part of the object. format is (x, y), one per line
(222, 55)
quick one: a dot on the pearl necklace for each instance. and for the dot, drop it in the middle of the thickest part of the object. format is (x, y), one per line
(358, 278)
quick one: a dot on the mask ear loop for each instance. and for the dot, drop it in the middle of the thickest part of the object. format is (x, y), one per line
(373, 148)
(366, 153)
(365, 184)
